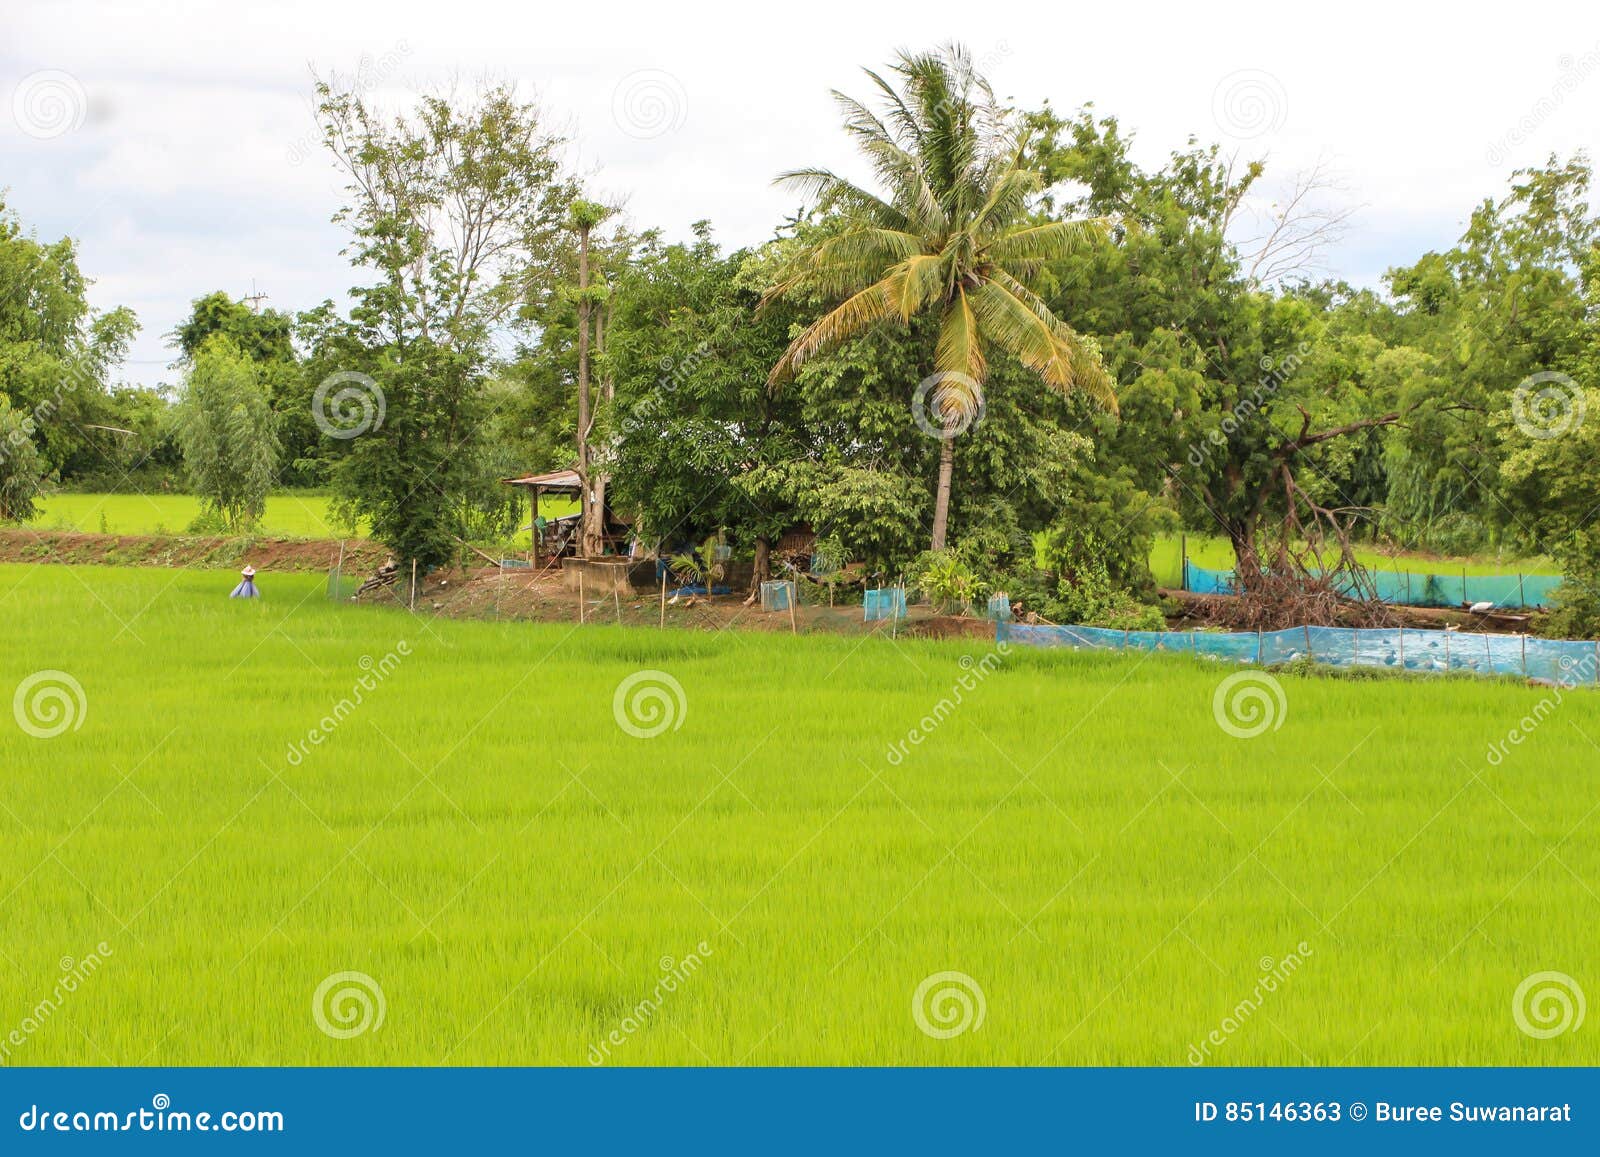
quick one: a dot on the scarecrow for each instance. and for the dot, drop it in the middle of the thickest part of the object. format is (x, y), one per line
(247, 586)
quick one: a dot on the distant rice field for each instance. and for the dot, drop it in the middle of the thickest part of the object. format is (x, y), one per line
(287, 515)
(1215, 553)
(292, 831)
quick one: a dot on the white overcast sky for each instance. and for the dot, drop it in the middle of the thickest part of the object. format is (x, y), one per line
(182, 152)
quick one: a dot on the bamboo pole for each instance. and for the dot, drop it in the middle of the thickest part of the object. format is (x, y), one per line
(580, 596)
(616, 597)
(413, 586)
(794, 597)
(663, 598)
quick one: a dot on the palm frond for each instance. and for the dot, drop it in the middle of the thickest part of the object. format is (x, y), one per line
(960, 348)
(1052, 241)
(1062, 357)
(915, 283)
(854, 316)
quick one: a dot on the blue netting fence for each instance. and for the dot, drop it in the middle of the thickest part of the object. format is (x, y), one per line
(1416, 590)
(887, 603)
(1552, 660)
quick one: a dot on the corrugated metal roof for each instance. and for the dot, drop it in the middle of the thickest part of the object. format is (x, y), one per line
(555, 480)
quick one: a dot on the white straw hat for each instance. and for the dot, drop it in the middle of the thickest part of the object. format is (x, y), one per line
(249, 572)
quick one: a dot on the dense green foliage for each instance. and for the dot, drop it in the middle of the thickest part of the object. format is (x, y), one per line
(786, 385)
(227, 430)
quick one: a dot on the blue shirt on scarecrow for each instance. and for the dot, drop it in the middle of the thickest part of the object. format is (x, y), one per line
(247, 586)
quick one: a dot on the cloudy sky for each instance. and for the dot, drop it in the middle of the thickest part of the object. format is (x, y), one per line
(176, 141)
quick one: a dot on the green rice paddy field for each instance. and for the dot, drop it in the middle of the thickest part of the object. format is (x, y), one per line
(225, 830)
(287, 515)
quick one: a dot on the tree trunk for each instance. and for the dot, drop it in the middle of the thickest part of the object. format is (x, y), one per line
(585, 419)
(594, 522)
(941, 497)
(1246, 558)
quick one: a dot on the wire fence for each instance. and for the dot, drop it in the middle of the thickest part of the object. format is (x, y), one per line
(1415, 590)
(1428, 652)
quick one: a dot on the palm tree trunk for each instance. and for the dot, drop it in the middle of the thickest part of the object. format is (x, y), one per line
(941, 497)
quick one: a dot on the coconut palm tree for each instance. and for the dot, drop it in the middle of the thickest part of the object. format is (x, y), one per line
(954, 234)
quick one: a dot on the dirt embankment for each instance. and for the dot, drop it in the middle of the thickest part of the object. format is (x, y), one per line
(265, 554)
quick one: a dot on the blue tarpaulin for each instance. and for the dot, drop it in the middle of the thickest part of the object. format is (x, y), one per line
(1565, 661)
(1416, 590)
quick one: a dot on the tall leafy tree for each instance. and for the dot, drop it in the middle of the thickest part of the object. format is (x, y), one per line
(226, 428)
(952, 235)
(457, 208)
(56, 357)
